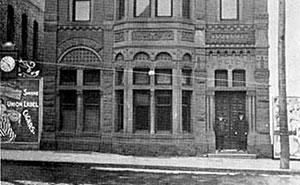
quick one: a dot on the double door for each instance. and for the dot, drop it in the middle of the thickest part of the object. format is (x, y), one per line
(228, 105)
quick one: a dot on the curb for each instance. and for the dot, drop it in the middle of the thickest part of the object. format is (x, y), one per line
(94, 166)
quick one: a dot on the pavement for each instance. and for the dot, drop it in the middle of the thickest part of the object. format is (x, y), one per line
(114, 161)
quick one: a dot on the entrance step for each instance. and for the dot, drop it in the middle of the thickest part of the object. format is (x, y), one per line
(232, 154)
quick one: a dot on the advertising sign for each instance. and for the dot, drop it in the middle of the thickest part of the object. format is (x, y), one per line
(21, 110)
(293, 118)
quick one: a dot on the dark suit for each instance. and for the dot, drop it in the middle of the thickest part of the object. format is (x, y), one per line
(221, 129)
(242, 133)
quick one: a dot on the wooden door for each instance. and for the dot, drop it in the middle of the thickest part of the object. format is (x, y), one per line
(228, 105)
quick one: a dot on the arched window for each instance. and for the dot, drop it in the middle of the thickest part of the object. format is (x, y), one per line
(164, 57)
(141, 56)
(10, 23)
(24, 36)
(35, 40)
(187, 58)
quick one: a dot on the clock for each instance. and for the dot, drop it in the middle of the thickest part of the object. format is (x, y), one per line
(7, 64)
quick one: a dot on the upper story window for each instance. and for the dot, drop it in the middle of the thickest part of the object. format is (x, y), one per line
(229, 9)
(186, 9)
(81, 10)
(163, 76)
(164, 8)
(221, 78)
(239, 78)
(120, 12)
(141, 76)
(142, 8)
(24, 36)
(10, 23)
(35, 40)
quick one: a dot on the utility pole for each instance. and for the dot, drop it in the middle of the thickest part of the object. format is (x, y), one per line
(284, 133)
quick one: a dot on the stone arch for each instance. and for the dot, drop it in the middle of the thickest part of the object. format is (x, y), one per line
(187, 57)
(78, 42)
(163, 56)
(80, 54)
(141, 56)
(119, 57)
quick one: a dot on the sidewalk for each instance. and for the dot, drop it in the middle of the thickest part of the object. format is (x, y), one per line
(162, 163)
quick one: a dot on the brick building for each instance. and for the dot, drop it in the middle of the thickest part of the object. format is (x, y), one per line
(22, 23)
(154, 77)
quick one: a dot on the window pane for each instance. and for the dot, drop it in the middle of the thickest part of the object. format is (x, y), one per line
(91, 77)
(141, 76)
(186, 9)
(119, 76)
(163, 110)
(120, 9)
(68, 101)
(142, 8)
(91, 114)
(141, 110)
(119, 110)
(163, 76)
(186, 77)
(68, 77)
(186, 111)
(164, 7)
(82, 10)
(221, 78)
(229, 9)
(239, 78)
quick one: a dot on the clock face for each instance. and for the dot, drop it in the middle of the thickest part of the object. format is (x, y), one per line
(7, 64)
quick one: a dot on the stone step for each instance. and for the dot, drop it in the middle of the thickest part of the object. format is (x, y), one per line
(231, 154)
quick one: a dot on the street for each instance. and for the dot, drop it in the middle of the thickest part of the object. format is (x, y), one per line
(41, 173)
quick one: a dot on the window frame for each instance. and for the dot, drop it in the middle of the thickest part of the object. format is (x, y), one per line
(184, 10)
(135, 9)
(239, 83)
(136, 71)
(158, 106)
(156, 9)
(136, 106)
(221, 82)
(158, 73)
(74, 11)
(10, 27)
(85, 105)
(229, 19)
(188, 105)
(119, 111)
(120, 9)
(77, 85)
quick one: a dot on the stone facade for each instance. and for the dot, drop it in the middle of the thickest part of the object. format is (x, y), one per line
(200, 42)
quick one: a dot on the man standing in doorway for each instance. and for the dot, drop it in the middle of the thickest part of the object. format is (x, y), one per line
(242, 132)
(220, 130)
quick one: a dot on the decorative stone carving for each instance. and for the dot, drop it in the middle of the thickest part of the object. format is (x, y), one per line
(119, 37)
(261, 16)
(152, 35)
(79, 28)
(187, 36)
(230, 38)
(230, 34)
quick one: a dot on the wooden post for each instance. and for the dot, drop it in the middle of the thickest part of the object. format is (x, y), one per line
(284, 134)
